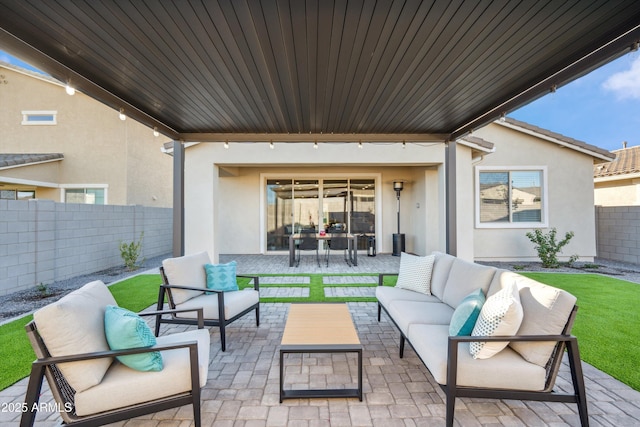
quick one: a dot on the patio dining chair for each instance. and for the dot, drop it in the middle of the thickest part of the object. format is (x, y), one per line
(338, 243)
(308, 242)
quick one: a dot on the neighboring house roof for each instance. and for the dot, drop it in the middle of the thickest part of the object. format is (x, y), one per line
(596, 152)
(17, 160)
(627, 161)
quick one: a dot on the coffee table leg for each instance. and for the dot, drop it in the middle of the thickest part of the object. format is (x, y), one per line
(281, 375)
(360, 374)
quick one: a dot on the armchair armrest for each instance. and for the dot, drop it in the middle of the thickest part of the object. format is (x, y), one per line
(256, 280)
(50, 360)
(381, 277)
(159, 313)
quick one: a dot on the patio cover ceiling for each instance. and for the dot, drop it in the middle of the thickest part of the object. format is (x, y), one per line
(215, 70)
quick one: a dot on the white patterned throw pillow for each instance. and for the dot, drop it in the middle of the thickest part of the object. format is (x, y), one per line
(501, 314)
(415, 273)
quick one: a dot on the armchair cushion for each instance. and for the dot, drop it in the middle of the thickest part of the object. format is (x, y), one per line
(221, 277)
(235, 302)
(123, 386)
(74, 325)
(125, 329)
(186, 271)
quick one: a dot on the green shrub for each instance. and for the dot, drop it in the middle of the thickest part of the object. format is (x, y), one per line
(130, 252)
(547, 246)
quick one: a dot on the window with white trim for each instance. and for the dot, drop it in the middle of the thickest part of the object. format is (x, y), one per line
(39, 118)
(511, 197)
(89, 196)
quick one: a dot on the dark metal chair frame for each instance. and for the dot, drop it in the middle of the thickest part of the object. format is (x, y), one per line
(221, 322)
(308, 242)
(63, 393)
(338, 243)
(564, 341)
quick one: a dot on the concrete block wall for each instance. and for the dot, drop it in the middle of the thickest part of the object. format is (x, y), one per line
(618, 233)
(42, 241)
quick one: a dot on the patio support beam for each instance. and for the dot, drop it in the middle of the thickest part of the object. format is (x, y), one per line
(313, 137)
(450, 161)
(178, 198)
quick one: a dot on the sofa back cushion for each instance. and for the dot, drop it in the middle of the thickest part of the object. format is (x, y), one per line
(464, 278)
(186, 270)
(546, 311)
(441, 268)
(74, 325)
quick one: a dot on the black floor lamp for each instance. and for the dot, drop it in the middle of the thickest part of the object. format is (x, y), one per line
(398, 239)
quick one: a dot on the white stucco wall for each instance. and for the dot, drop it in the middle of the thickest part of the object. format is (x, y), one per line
(570, 196)
(224, 190)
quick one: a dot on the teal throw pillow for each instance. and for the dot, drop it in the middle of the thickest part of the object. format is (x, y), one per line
(466, 314)
(221, 277)
(124, 329)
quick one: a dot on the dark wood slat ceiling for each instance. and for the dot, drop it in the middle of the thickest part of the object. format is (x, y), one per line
(316, 67)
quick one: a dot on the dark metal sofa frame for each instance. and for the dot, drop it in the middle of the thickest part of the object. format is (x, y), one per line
(564, 341)
(46, 366)
(221, 322)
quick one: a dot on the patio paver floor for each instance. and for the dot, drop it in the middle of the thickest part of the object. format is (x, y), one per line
(243, 385)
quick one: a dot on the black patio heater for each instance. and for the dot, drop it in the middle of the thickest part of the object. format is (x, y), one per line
(398, 239)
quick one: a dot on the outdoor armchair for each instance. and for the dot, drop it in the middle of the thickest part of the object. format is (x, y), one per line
(191, 281)
(91, 384)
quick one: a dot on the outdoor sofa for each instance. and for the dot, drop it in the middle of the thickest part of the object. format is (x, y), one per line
(456, 316)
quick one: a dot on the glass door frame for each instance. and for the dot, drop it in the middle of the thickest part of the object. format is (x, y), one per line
(376, 177)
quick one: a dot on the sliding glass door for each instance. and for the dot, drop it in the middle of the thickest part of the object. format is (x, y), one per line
(335, 205)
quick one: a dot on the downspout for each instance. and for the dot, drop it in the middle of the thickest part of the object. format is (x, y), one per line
(178, 198)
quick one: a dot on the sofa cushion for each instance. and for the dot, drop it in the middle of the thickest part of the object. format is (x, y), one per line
(465, 315)
(501, 314)
(415, 273)
(386, 294)
(186, 271)
(441, 269)
(464, 278)
(407, 313)
(74, 325)
(124, 329)
(123, 386)
(235, 302)
(506, 370)
(546, 311)
(221, 277)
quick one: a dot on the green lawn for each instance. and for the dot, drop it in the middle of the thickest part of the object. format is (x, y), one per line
(16, 354)
(607, 323)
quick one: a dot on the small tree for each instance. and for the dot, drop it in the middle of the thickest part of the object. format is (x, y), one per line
(130, 252)
(547, 246)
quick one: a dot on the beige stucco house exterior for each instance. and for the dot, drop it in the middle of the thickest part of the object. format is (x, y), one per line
(617, 183)
(74, 148)
(511, 177)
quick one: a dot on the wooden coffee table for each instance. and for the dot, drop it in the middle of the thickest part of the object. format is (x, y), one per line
(320, 328)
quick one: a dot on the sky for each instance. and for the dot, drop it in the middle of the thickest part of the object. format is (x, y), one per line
(601, 108)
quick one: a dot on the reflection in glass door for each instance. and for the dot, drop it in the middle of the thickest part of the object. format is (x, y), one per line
(293, 205)
(279, 213)
(363, 210)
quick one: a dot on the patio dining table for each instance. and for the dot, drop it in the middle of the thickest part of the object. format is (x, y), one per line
(351, 238)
